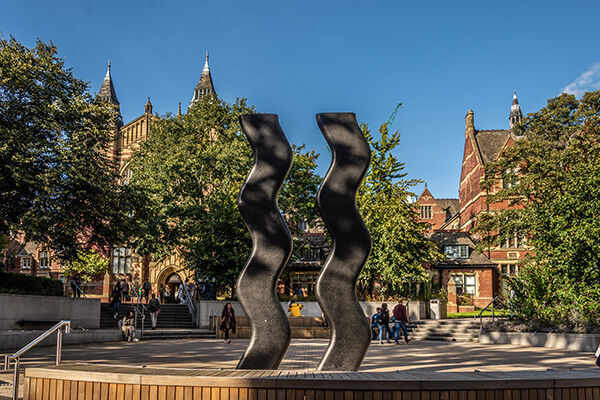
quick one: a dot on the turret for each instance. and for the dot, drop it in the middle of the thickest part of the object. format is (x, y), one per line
(515, 112)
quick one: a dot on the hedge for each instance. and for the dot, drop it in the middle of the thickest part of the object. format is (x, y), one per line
(27, 284)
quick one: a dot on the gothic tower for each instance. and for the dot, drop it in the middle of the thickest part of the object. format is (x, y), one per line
(205, 84)
(515, 112)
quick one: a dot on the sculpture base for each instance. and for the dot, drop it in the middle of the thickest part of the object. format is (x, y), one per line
(93, 381)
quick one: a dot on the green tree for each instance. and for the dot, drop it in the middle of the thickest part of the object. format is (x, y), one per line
(553, 176)
(399, 246)
(57, 185)
(88, 265)
(190, 170)
(298, 193)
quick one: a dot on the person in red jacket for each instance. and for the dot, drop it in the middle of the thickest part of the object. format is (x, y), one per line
(400, 319)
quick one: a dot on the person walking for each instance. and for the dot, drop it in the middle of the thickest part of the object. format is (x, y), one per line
(383, 323)
(147, 287)
(128, 327)
(227, 322)
(116, 300)
(75, 287)
(154, 309)
(294, 308)
(400, 321)
(161, 293)
(125, 290)
(374, 323)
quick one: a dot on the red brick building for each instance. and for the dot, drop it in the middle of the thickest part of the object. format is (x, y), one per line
(485, 271)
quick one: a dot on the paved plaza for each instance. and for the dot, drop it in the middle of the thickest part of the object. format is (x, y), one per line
(305, 354)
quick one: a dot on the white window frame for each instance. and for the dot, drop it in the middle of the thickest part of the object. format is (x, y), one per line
(44, 257)
(121, 260)
(26, 262)
(456, 251)
(426, 212)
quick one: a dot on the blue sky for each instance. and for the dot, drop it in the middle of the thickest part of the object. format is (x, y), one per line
(298, 58)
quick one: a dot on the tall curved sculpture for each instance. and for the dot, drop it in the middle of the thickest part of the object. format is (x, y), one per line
(351, 242)
(271, 242)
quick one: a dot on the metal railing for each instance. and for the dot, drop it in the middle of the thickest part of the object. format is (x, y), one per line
(480, 315)
(80, 290)
(137, 309)
(190, 304)
(17, 356)
(215, 318)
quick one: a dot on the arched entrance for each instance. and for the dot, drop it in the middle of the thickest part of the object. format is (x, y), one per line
(172, 282)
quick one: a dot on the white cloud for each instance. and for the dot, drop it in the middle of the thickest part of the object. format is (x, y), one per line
(586, 82)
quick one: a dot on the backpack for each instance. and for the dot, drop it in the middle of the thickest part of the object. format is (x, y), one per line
(381, 317)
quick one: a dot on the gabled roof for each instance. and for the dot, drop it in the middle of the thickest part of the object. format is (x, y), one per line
(449, 204)
(475, 259)
(490, 142)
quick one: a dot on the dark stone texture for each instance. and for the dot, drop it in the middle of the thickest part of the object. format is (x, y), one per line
(271, 242)
(351, 242)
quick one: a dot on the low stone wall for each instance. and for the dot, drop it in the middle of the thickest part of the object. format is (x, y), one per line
(205, 309)
(571, 341)
(81, 312)
(14, 340)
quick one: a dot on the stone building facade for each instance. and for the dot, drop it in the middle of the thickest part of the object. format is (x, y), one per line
(486, 271)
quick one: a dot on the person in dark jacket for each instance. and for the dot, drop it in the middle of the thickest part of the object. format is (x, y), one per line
(154, 309)
(116, 299)
(147, 288)
(227, 321)
(383, 323)
(400, 321)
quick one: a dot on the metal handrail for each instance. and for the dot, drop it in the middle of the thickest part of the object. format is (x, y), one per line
(491, 303)
(17, 356)
(214, 313)
(136, 309)
(190, 304)
(80, 289)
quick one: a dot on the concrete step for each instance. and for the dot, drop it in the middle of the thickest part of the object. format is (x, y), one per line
(163, 334)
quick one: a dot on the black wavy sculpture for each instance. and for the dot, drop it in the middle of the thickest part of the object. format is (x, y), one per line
(351, 242)
(271, 242)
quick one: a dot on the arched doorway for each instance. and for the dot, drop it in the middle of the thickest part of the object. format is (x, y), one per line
(172, 282)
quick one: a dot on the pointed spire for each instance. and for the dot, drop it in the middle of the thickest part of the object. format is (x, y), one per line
(516, 116)
(205, 84)
(206, 67)
(179, 110)
(148, 107)
(107, 90)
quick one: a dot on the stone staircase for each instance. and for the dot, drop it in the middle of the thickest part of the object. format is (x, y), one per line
(171, 316)
(450, 330)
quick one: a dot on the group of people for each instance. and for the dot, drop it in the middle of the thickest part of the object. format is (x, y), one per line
(121, 294)
(380, 323)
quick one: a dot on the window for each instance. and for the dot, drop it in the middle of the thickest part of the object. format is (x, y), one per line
(302, 226)
(121, 260)
(26, 262)
(426, 212)
(513, 240)
(458, 280)
(470, 284)
(127, 174)
(456, 251)
(44, 258)
(509, 270)
(465, 284)
(509, 178)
